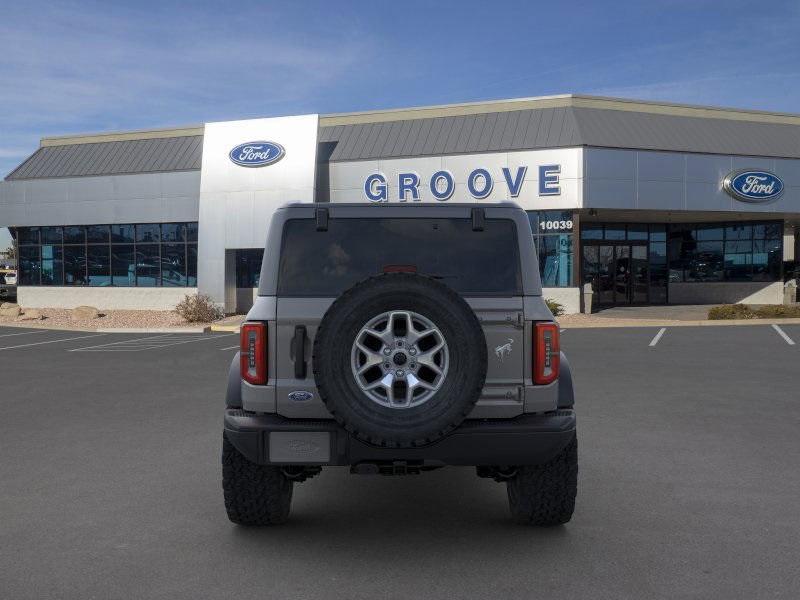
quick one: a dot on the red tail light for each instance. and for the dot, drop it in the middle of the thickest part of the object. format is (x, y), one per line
(546, 353)
(253, 355)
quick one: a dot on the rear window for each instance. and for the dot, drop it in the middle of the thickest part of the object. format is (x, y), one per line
(326, 263)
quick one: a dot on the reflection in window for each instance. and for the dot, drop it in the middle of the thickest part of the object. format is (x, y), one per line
(726, 252)
(123, 265)
(75, 265)
(29, 264)
(553, 232)
(148, 265)
(52, 265)
(248, 267)
(108, 255)
(99, 265)
(173, 265)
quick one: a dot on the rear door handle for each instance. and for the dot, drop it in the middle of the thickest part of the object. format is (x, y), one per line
(299, 344)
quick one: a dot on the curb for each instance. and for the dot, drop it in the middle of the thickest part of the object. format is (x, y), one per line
(227, 328)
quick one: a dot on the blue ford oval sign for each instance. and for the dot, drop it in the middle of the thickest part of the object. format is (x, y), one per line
(753, 186)
(257, 154)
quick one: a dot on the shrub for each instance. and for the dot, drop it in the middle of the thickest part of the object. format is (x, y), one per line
(778, 311)
(731, 311)
(198, 308)
(555, 307)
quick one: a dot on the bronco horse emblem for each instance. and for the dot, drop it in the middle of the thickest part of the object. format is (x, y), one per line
(504, 350)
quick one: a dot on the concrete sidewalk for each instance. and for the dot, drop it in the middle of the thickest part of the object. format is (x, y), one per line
(659, 316)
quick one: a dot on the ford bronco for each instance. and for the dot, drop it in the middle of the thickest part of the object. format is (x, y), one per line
(397, 339)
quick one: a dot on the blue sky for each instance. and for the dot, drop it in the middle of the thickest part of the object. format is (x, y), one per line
(74, 67)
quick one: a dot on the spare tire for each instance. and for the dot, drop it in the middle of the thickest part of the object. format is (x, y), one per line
(399, 360)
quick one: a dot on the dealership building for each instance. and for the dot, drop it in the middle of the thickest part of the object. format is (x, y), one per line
(650, 203)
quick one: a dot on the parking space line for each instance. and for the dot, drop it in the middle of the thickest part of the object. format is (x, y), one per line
(152, 337)
(657, 337)
(24, 333)
(83, 337)
(148, 343)
(782, 333)
(230, 348)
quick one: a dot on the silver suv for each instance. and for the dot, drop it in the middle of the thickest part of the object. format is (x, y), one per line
(397, 339)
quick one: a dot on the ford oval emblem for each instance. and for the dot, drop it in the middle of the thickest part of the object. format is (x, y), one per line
(753, 186)
(257, 154)
(300, 396)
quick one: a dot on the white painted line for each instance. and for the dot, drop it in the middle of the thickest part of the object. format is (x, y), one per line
(121, 342)
(26, 332)
(658, 336)
(782, 333)
(231, 347)
(155, 343)
(83, 337)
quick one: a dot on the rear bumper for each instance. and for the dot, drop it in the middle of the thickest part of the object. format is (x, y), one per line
(525, 440)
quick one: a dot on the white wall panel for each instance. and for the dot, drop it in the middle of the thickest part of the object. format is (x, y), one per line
(228, 214)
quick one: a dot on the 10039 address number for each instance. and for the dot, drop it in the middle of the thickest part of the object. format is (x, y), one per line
(556, 225)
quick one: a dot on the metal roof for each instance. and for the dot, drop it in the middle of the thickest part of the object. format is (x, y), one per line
(182, 153)
(560, 127)
(504, 125)
(489, 132)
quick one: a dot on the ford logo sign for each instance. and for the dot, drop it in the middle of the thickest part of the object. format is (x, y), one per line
(257, 154)
(300, 396)
(753, 186)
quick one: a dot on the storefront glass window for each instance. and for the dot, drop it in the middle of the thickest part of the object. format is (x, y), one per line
(30, 264)
(75, 265)
(74, 235)
(123, 265)
(553, 232)
(726, 252)
(173, 265)
(98, 260)
(108, 255)
(52, 265)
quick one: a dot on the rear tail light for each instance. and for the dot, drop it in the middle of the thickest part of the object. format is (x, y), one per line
(546, 353)
(253, 355)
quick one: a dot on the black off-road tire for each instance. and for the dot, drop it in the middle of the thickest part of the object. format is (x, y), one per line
(254, 494)
(544, 495)
(385, 426)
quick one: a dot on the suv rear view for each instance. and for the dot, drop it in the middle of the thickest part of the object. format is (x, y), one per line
(397, 339)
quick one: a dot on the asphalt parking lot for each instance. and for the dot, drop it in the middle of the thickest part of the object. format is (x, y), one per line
(688, 485)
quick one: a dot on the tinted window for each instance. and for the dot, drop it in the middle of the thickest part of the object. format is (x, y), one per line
(172, 232)
(28, 235)
(148, 233)
(173, 265)
(148, 265)
(74, 235)
(99, 262)
(123, 266)
(315, 263)
(97, 234)
(75, 265)
(122, 234)
(51, 235)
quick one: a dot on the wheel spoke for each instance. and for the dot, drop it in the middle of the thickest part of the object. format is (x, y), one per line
(394, 338)
(414, 382)
(414, 336)
(427, 359)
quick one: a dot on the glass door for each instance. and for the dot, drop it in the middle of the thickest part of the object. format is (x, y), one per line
(605, 275)
(638, 277)
(618, 272)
